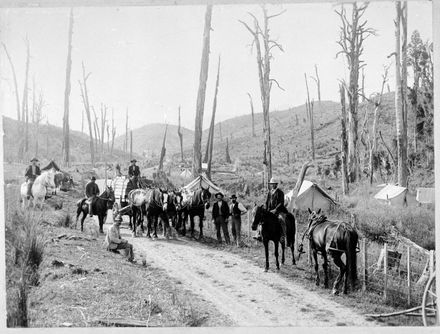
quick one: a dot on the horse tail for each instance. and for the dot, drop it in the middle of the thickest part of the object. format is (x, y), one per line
(352, 240)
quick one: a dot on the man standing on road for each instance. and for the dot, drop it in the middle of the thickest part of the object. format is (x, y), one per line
(237, 210)
(31, 173)
(220, 214)
(92, 190)
(113, 240)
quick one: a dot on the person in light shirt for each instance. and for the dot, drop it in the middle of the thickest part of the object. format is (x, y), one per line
(237, 210)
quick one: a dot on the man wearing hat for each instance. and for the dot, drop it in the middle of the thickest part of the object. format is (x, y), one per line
(92, 190)
(237, 210)
(275, 204)
(113, 240)
(220, 214)
(134, 172)
(31, 173)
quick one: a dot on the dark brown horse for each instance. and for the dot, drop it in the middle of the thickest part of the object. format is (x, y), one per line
(271, 230)
(335, 238)
(102, 203)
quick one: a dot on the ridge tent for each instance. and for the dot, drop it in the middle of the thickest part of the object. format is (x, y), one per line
(202, 181)
(52, 164)
(393, 195)
(310, 195)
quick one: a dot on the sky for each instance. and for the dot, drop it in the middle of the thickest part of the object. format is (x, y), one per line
(147, 59)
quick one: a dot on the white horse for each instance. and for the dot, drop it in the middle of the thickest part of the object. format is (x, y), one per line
(39, 189)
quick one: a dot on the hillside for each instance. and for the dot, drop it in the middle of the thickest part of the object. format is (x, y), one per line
(49, 143)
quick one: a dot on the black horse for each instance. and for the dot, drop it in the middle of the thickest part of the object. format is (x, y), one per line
(181, 212)
(102, 203)
(271, 230)
(193, 205)
(335, 238)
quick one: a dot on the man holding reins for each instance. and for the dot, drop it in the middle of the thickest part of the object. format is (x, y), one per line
(92, 191)
(31, 173)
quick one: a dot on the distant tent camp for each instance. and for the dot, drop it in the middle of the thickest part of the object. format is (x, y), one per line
(425, 195)
(310, 196)
(393, 195)
(53, 165)
(202, 181)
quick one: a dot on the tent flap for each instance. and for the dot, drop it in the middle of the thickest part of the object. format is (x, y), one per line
(202, 181)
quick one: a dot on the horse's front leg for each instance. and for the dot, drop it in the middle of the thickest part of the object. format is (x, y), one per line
(266, 253)
(276, 255)
(283, 248)
(155, 221)
(101, 223)
(148, 226)
(201, 227)
(315, 258)
(82, 221)
(191, 227)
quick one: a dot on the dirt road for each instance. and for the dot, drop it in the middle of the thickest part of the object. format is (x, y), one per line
(241, 290)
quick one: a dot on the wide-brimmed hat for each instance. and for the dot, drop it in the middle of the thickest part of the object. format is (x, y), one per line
(233, 196)
(34, 159)
(93, 178)
(219, 193)
(133, 160)
(273, 180)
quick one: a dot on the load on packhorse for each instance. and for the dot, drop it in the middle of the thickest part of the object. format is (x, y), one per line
(335, 238)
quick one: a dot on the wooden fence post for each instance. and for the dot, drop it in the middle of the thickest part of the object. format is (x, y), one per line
(385, 270)
(364, 265)
(408, 270)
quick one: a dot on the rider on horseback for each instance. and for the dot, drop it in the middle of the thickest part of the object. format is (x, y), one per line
(275, 204)
(32, 171)
(92, 190)
(134, 173)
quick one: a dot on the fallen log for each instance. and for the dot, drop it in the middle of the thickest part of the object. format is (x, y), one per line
(121, 322)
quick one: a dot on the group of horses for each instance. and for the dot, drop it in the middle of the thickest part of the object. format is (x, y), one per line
(173, 208)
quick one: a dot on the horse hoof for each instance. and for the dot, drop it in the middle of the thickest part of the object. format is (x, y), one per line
(266, 270)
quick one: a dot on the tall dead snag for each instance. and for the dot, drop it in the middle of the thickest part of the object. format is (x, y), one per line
(264, 45)
(24, 103)
(318, 86)
(85, 98)
(163, 150)
(180, 134)
(373, 139)
(401, 91)
(126, 132)
(309, 108)
(252, 114)
(197, 148)
(211, 128)
(131, 144)
(96, 130)
(113, 132)
(344, 142)
(14, 76)
(228, 157)
(37, 106)
(353, 33)
(103, 123)
(66, 126)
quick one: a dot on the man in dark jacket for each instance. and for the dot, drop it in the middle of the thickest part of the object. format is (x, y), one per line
(237, 210)
(92, 190)
(134, 173)
(31, 173)
(220, 214)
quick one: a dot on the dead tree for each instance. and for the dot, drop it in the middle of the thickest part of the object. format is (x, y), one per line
(66, 126)
(252, 114)
(37, 117)
(228, 157)
(14, 76)
(180, 134)
(401, 91)
(373, 140)
(131, 144)
(309, 108)
(163, 150)
(103, 123)
(197, 153)
(85, 98)
(353, 33)
(126, 132)
(211, 128)
(96, 130)
(113, 132)
(318, 86)
(264, 45)
(24, 103)
(344, 143)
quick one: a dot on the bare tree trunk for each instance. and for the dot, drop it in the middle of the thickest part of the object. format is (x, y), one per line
(14, 76)
(24, 104)
(405, 91)
(179, 132)
(318, 87)
(131, 145)
(228, 157)
(163, 150)
(96, 128)
(113, 132)
(400, 110)
(126, 132)
(363, 85)
(85, 98)
(211, 128)
(66, 126)
(309, 107)
(108, 137)
(103, 122)
(197, 148)
(252, 114)
(344, 143)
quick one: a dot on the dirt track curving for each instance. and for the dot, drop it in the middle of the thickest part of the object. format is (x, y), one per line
(241, 290)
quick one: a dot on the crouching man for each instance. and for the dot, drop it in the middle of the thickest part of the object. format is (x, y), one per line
(114, 242)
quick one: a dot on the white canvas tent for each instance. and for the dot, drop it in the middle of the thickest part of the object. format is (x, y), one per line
(393, 195)
(310, 195)
(425, 195)
(202, 181)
